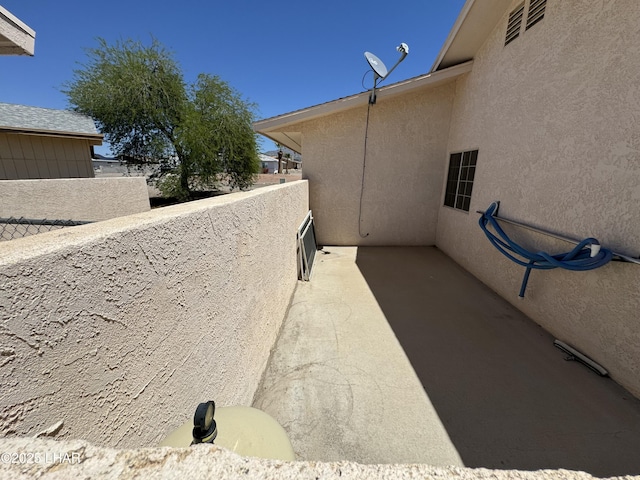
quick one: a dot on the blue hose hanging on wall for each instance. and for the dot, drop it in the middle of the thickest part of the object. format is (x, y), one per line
(587, 254)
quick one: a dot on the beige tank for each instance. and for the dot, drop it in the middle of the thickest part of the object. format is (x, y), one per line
(244, 430)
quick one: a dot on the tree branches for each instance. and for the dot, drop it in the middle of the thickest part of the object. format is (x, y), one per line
(140, 102)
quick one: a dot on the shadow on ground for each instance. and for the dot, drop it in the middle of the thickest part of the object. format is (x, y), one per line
(504, 393)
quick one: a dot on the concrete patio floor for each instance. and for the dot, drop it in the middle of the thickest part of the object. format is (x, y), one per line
(398, 355)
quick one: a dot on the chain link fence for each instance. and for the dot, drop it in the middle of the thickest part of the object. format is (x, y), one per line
(12, 228)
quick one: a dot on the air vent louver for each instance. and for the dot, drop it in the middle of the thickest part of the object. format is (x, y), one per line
(536, 12)
(513, 25)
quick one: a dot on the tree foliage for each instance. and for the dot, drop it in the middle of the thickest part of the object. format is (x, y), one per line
(200, 133)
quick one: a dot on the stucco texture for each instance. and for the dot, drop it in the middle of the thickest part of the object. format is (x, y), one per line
(79, 459)
(406, 141)
(120, 328)
(554, 115)
(80, 199)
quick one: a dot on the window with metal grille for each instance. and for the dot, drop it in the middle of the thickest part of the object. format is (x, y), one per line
(536, 12)
(462, 171)
(514, 24)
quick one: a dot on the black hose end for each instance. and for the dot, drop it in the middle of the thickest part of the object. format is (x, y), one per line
(204, 426)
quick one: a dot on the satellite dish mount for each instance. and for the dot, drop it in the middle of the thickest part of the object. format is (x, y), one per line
(380, 70)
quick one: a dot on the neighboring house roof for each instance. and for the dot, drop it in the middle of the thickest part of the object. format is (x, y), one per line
(275, 128)
(46, 121)
(108, 161)
(267, 158)
(16, 38)
(96, 157)
(476, 21)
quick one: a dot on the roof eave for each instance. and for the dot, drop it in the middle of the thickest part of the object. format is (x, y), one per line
(269, 125)
(469, 32)
(283, 139)
(452, 34)
(93, 138)
(19, 39)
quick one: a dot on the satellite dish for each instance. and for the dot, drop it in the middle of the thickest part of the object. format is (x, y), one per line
(376, 64)
(380, 70)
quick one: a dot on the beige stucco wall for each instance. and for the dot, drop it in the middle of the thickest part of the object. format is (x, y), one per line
(406, 143)
(120, 328)
(555, 118)
(38, 156)
(79, 459)
(84, 199)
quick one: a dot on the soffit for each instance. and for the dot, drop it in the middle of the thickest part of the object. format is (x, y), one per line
(475, 23)
(16, 38)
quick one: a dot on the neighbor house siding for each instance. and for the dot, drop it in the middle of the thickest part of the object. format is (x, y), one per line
(34, 156)
(405, 162)
(555, 118)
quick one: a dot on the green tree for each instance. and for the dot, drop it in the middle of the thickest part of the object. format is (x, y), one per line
(200, 133)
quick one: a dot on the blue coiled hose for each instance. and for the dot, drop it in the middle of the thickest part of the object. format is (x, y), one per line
(579, 259)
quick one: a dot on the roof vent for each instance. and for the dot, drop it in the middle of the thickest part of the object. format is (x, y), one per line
(514, 23)
(536, 12)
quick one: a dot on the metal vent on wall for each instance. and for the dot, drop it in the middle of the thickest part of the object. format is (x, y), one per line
(514, 23)
(536, 12)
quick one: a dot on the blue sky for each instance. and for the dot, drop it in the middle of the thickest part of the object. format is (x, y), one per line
(282, 55)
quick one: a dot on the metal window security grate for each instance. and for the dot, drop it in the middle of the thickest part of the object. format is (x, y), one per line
(536, 12)
(514, 24)
(12, 228)
(307, 247)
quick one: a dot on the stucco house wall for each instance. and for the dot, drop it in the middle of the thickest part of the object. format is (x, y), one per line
(120, 328)
(406, 142)
(554, 115)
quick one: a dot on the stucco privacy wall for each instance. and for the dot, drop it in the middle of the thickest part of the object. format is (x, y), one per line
(555, 118)
(406, 143)
(84, 460)
(120, 328)
(38, 156)
(90, 199)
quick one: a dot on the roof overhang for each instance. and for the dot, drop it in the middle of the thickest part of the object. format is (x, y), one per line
(94, 139)
(285, 129)
(16, 38)
(473, 26)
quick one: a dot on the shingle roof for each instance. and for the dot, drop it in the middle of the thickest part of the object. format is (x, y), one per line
(22, 117)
